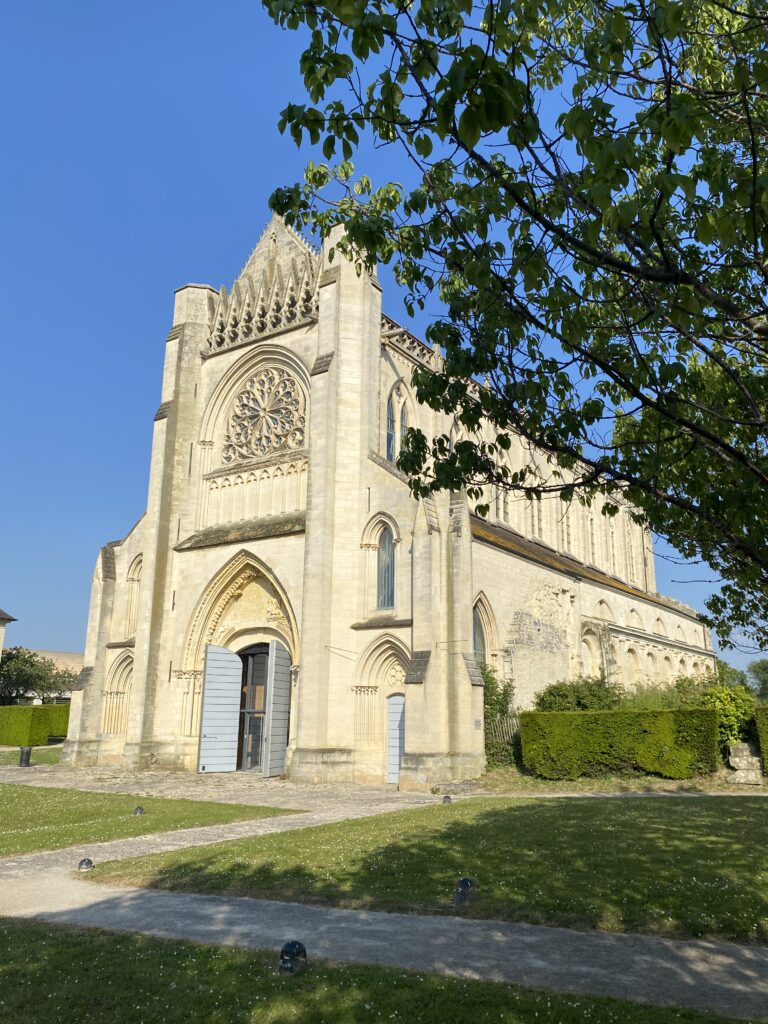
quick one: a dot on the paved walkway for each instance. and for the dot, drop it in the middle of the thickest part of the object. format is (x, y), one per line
(234, 787)
(247, 788)
(720, 977)
(726, 978)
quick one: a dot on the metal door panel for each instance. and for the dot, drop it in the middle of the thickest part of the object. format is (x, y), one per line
(395, 737)
(278, 709)
(220, 717)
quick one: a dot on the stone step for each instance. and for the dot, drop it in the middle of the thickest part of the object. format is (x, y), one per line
(746, 777)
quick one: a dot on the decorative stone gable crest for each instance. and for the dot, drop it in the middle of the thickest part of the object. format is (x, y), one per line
(268, 416)
(277, 290)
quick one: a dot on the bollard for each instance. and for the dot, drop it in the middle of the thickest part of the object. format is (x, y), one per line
(293, 957)
(464, 891)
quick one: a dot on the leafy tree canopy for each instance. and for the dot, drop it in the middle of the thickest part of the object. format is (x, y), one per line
(758, 677)
(586, 197)
(24, 674)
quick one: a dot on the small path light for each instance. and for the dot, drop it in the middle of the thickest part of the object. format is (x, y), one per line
(139, 810)
(86, 864)
(464, 891)
(293, 957)
(447, 799)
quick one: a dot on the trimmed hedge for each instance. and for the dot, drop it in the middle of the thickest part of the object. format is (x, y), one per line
(30, 725)
(676, 743)
(761, 718)
(58, 719)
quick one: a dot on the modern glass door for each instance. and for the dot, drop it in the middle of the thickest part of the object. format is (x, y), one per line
(253, 706)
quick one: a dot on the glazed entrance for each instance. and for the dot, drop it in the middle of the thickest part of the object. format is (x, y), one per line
(253, 707)
(246, 709)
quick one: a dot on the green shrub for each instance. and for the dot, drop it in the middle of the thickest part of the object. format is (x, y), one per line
(24, 726)
(675, 743)
(582, 694)
(502, 753)
(58, 719)
(735, 706)
(761, 718)
(498, 696)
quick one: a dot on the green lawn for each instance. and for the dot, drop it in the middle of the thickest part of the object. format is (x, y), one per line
(37, 818)
(685, 866)
(514, 782)
(53, 973)
(40, 755)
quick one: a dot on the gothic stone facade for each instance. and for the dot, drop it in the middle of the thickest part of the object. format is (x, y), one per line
(275, 512)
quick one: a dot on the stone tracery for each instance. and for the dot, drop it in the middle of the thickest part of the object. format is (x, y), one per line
(268, 416)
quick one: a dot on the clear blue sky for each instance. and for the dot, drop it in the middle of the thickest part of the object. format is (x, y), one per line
(139, 149)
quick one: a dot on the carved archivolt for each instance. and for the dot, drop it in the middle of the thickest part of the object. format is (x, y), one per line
(383, 665)
(244, 596)
(268, 416)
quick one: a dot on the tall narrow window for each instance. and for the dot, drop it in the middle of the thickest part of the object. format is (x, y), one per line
(478, 635)
(592, 556)
(386, 570)
(132, 612)
(403, 423)
(390, 431)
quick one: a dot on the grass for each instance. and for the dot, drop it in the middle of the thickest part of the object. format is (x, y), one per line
(40, 755)
(514, 782)
(680, 866)
(37, 818)
(91, 977)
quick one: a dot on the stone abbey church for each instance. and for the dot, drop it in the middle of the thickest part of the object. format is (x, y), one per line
(284, 605)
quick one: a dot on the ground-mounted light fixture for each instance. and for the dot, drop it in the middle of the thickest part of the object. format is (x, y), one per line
(293, 957)
(139, 810)
(464, 891)
(86, 864)
(447, 799)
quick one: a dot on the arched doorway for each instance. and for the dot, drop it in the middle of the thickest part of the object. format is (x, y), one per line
(246, 704)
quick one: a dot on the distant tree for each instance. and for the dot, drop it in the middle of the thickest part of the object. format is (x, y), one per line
(757, 672)
(727, 675)
(24, 675)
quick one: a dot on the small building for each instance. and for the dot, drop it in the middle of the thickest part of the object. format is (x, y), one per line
(285, 606)
(5, 618)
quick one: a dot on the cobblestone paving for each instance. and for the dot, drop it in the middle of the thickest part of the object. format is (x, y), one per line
(230, 788)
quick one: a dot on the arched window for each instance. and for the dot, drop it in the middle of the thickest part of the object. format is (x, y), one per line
(390, 430)
(403, 423)
(478, 636)
(133, 581)
(385, 588)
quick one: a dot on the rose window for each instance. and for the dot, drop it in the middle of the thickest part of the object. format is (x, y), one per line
(268, 416)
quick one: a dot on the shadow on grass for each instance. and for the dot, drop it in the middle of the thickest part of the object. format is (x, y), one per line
(683, 867)
(88, 976)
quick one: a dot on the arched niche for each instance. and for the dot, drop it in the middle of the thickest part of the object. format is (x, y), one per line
(591, 654)
(603, 611)
(634, 621)
(383, 664)
(116, 696)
